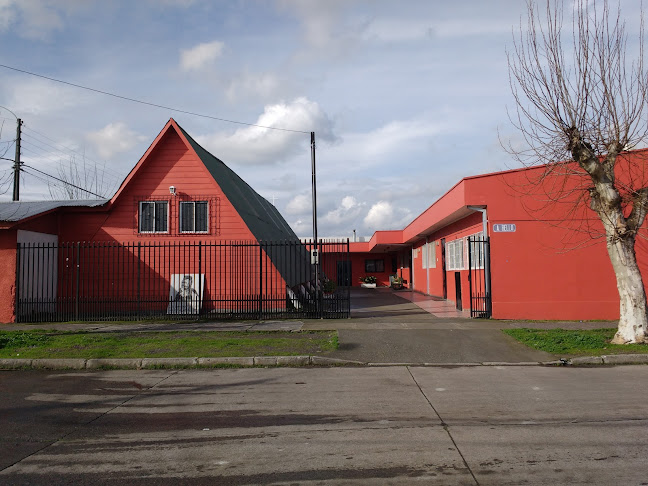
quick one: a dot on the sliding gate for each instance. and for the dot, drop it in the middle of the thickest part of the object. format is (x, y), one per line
(479, 277)
(181, 280)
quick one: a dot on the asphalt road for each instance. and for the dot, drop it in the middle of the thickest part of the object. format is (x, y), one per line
(382, 425)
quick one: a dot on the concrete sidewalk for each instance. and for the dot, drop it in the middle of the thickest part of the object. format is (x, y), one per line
(385, 327)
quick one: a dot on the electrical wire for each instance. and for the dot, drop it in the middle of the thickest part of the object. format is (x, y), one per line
(155, 105)
(36, 144)
(61, 180)
(115, 174)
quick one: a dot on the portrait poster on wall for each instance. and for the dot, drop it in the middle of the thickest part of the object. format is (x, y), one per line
(185, 293)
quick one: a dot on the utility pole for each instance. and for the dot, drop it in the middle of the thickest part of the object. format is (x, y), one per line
(316, 246)
(16, 187)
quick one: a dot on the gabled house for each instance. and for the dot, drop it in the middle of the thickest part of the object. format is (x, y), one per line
(179, 212)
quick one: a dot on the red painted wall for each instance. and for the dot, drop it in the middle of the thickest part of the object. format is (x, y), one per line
(8, 275)
(358, 268)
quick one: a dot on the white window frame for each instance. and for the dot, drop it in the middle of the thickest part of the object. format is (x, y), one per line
(431, 254)
(474, 264)
(139, 219)
(194, 221)
(456, 254)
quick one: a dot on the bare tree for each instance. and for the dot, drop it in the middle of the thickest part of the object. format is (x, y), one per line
(581, 105)
(76, 176)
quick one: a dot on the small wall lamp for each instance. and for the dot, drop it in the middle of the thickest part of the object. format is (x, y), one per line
(172, 190)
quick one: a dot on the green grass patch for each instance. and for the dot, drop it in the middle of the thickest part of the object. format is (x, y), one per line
(593, 342)
(38, 343)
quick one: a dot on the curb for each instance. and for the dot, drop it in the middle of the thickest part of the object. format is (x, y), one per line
(285, 361)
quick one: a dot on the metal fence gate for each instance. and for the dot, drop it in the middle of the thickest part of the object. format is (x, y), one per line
(180, 280)
(479, 277)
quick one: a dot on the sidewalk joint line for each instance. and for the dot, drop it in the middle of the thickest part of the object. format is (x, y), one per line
(445, 426)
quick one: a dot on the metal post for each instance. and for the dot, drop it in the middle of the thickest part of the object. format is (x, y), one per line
(139, 295)
(18, 282)
(426, 248)
(200, 280)
(78, 269)
(318, 307)
(260, 281)
(16, 187)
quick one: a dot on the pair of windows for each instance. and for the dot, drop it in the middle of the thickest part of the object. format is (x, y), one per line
(154, 217)
(457, 256)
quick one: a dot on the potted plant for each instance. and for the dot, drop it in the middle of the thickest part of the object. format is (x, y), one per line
(396, 282)
(329, 286)
(368, 282)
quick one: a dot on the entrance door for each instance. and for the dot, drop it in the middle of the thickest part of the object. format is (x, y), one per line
(458, 291)
(344, 273)
(443, 269)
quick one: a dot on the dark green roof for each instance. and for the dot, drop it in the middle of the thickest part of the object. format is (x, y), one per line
(261, 217)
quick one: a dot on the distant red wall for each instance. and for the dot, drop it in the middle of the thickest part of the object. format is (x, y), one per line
(8, 275)
(358, 268)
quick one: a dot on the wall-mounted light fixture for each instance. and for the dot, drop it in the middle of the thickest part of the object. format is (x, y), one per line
(172, 190)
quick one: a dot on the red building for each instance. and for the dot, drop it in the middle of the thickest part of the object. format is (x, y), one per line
(543, 261)
(180, 213)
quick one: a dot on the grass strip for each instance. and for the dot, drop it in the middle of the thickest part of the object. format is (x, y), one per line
(594, 342)
(38, 343)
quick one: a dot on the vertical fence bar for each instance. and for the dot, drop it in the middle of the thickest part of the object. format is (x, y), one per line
(200, 280)
(19, 257)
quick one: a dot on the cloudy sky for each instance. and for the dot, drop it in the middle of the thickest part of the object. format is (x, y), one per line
(406, 98)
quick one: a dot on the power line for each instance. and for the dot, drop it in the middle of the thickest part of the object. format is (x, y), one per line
(114, 173)
(64, 182)
(148, 103)
(37, 145)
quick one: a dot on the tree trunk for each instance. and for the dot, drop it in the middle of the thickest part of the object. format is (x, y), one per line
(633, 315)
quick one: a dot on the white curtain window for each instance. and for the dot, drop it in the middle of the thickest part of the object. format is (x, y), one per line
(477, 251)
(455, 255)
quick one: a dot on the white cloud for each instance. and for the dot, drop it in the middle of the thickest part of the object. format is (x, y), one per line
(36, 19)
(200, 56)
(259, 145)
(247, 84)
(302, 228)
(390, 143)
(325, 28)
(348, 210)
(40, 97)
(113, 139)
(300, 204)
(383, 216)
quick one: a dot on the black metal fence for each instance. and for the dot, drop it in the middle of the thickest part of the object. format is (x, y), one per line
(180, 280)
(479, 277)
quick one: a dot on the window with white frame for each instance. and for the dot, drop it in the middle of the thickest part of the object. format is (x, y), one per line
(455, 255)
(429, 255)
(153, 216)
(424, 255)
(194, 217)
(477, 249)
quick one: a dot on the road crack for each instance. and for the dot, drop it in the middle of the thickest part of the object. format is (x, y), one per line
(445, 426)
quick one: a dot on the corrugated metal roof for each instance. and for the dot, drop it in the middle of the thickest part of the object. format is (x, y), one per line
(18, 210)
